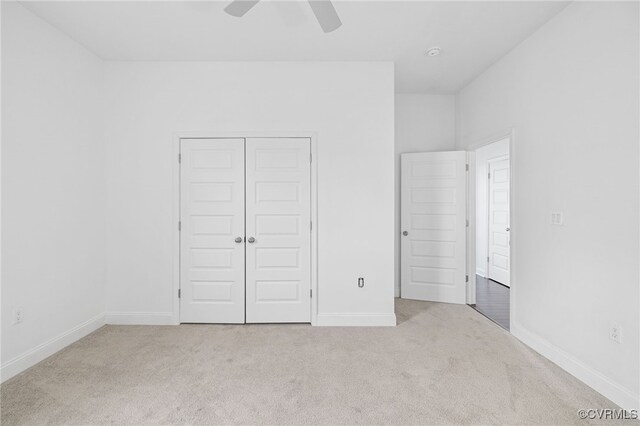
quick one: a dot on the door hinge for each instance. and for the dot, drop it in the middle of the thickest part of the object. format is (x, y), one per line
(466, 278)
(179, 226)
(466, 167)
(467, 223)
(179, 294)
(489, 175)
(179, 158)
(487, 259)
(310, 292)
(310, 226)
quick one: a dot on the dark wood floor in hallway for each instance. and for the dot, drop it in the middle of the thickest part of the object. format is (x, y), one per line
(492, 301)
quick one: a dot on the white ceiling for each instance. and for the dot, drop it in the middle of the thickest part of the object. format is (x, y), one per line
(472, 35)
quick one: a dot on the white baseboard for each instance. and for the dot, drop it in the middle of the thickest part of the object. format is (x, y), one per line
(357, 320)
(617, 393)
(481, 272)
(44, 350)
(140, 318)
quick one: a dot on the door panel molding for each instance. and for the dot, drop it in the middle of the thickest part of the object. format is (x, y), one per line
(433, 225)
(286, 225)
(212, 203)
(278, 194)
(498, 187)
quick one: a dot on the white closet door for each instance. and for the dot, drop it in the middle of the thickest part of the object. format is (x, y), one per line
(278, 209)
(433, 216)
(212, 256)
(499, 221)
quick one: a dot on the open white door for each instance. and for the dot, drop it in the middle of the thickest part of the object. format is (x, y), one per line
(433, 222)
(278, 230)
(211, 239)
(498, 268)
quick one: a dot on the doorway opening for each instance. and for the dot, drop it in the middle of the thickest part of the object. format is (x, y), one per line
(491, 263)
(456, 228)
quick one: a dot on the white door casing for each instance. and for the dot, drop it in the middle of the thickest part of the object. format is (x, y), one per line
(278, 219)
(499, 227)
(212, 218)
(433, 216)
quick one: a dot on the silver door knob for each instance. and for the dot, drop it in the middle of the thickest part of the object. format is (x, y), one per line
(405, 233)
(238, 239)
(251, 240)
(508, 229)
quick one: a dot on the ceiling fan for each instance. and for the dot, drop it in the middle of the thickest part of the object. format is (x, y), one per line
(323, 9)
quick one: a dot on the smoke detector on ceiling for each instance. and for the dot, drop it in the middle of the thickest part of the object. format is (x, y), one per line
(434, 51)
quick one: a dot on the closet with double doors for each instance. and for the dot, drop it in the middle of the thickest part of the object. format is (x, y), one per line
(245, 239)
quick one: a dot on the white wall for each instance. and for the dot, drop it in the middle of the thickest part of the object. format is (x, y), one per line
(349, 105)
(53, 190)
(571, 93)
(424, 123)
(483, 156)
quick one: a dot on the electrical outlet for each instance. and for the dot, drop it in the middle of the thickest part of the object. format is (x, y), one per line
(556, 218)
(615, 333)
(18, 316)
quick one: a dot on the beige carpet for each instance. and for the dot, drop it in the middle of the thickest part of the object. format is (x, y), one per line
(443, 364)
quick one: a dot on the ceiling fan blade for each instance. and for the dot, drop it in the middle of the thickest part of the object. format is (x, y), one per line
(325, 14)
(238, 8)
